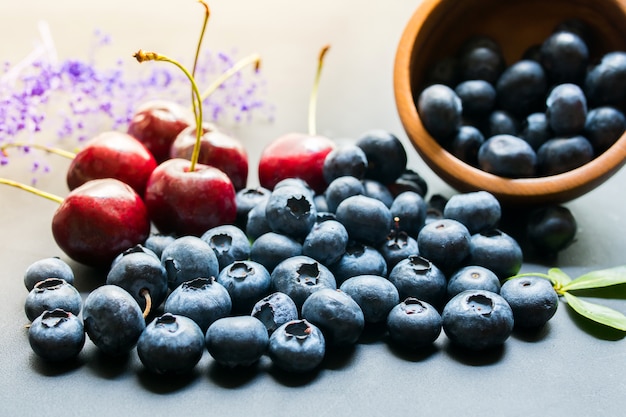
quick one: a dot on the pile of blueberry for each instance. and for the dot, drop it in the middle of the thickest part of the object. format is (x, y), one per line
(300, 273)
(550, 112)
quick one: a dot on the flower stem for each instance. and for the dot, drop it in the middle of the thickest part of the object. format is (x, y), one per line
(251, 59)
(33, 190)
(50, 149)
(313, 97)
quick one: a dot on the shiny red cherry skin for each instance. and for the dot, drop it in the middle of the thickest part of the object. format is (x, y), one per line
(218, 149)
(184, 202)
(295, 155)
(112, 155)
(99, 220)
(156, 124)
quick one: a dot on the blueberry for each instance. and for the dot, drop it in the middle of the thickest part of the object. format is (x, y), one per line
(481, 62)
(300, 276)
(478, 97)
(246, 199)
(566, 109)
(410, 210)
(564, 55)
(237, 341)
(326, 242)
(299, 183)
(297, 346)
(246, 282)
(256, 224)
(156, 242)
(479, 41)
(359, 259)
(440, 110)
(501, 122)
(203, 300)
(445, 242)
(290, 211)
(605, 83)
(56, 335)
(53, 267)
(478, 210)
(229, 243)
(377, 190)
(477, 320)
(187, 258)
(275, 310)
(535, 129)
(444, 71)
(417, 277)
(345, 160)
(466, 143)
(532, 299)
(50, 294)
(366, 219)
(409, 181)
(336, 314)
(603, 127)
(522, 87)
(113, 320)
(321, 206)
(398, 246)
(171, 345)
(507, 156)
(414, 324)
(472, 277)
(550, 229)
(563, 154)
(139, 248)
(576, 26)
(375, 295)
(271, 248)
(496, 251)
(340, 189)
(385, 154)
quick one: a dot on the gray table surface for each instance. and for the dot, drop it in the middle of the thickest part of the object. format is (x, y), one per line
(569, 368)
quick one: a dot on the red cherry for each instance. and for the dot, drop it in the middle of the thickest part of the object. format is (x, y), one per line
(217, 149)
(185, 202)
(112, 155)
(157, 123)
(99, 220)
(295, 155)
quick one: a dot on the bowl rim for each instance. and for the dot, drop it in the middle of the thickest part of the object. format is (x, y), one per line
(464, 177)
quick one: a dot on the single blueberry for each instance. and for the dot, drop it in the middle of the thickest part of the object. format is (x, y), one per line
(377, 190)
(321, 206)
(605, 83)
(56, 335)
(507, 156)
(256, 224)
(246, 199)
(385, 154)
(466, 143)
(365, 218)
(410, 210)
(156, 242)
(563, 154)
(237, 341)
(326, 242)
(290, 211)
(496, 251)
(472, 277)
(341, 188)
(445, 242)
(566, 109)
(398, 246)
(229, 243)
(271, 248)
(246, 282)
(564, 55)
(53, 267)
(550, 229)
(50, 294)
(481, 62)
(444, 71)
(603, 127)
(418, 277)
(375, 295)
(414, 324)
(478, 97)
(139, 248)
(440, 110)
(345, 160)
(532, 299)
(500, 122)
(275, 310)
(521, 88)
(409, 181)
(359, 259)
(478, 210)
(297, 346)
(187, 258)
(535, 129)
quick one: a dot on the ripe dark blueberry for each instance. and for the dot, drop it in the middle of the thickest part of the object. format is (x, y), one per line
(445, 242)
(377, 190)
(375, 295)
(134, 249)
(496, 251)
(187, 258)
(326, 242)
(345, 160)
(340, 189)
(398, 246)
(445, 71)
(532, 299)
(359, 259)
(409, 181)
(501, 122)
(566, 109)
(275, 310)
(297, 346)
(551, 229)
(478, 210)
(564, 56)
(53, 267)
(477, 320)
(237, 341)
(246, 282)
(203, 300)
(271, 248)
(299, 183)
(481, 62)
(417, 277)
(229, 243)
(605, 83)
(466, 143)
(290, 211)
(437, 202)
(257, 224)
(604, 125)
(414, 324)
(336, 314)
(507, 156)
(473, 277)
(113, 320)
(522, 87)
(478, 97)
(410, 210)
(171, 345)
(440, 110)
(366, 219)
(479, 41)
(576, 26)
(535, 129)
(321, 206)
(156, 242)
(50, 294)
(56, 335)
(561, 154)
(300, 276)
(246, 199)
(386, 156)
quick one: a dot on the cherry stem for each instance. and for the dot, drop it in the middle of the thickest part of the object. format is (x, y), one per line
(142, 56)
(313, 98)
(50, 149)
(36, 191)
(207, 13)
(238, 66)
(145, 293)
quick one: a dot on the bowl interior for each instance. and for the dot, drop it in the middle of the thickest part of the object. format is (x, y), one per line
(439, 27)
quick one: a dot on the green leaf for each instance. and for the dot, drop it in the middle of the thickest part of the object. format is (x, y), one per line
(596, 312)
(598, 279)
(558, 277)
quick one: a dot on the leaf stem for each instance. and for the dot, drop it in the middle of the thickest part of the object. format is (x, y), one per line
(50, 149)
(313, 97)
(36, 191)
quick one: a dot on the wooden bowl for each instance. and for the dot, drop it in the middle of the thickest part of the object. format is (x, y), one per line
(438, 28)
